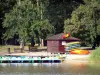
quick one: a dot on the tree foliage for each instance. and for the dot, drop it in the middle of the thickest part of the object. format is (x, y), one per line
(84, 22)
(5, 6)
(59, 10)
(24, 20)
(52, 11)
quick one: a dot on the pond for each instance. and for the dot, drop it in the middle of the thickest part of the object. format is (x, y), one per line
(48, 69)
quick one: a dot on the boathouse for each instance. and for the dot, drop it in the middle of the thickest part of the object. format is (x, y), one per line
(55, 43)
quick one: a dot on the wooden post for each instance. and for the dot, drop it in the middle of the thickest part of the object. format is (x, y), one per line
(29, 46)
(9, 51)
(22, 50)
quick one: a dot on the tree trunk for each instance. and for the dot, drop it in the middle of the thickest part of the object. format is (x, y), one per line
(22, 45)
(41, 11)
(38, 5)
(19, 2)
(41, 42)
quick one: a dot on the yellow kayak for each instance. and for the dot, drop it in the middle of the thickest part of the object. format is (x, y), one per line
(72, 43)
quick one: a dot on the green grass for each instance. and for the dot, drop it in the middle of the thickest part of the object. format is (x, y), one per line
(95, 55)
(4, 48)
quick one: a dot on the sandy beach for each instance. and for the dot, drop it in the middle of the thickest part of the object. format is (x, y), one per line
(70, 58)
(76, 59)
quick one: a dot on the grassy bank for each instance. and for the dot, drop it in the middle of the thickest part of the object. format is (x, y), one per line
(95, 55)
(4, 48)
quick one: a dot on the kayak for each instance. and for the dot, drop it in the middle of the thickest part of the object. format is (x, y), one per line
(79, 51)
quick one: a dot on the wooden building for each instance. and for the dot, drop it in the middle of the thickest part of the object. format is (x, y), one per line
(54, 43)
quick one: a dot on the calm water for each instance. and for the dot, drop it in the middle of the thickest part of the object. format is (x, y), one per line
(48, 69)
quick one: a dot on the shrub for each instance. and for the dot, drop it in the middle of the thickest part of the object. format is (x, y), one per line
(95, 55)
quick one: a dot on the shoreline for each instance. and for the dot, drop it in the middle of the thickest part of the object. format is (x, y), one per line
(70, 58)
(77, 59)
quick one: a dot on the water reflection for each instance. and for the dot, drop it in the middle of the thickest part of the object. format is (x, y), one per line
(48, 69)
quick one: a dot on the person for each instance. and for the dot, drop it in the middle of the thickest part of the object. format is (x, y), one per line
(32, 42)
(94, 45)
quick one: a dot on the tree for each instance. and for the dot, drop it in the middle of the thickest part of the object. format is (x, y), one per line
(59, 10)
(5, 6)
(84, 22)
(55, 11)
(24, 20)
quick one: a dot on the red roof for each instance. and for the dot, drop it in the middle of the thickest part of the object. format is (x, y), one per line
(59, 37)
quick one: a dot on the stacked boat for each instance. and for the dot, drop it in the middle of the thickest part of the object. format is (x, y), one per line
(30, 59)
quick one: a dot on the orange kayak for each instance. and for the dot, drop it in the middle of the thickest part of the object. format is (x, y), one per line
(79, 51)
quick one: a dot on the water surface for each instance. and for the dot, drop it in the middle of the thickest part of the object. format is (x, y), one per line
(48, 69)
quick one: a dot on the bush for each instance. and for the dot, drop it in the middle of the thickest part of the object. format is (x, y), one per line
(95, 55)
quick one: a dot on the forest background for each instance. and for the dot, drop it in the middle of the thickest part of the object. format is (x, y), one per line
(23, 20)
